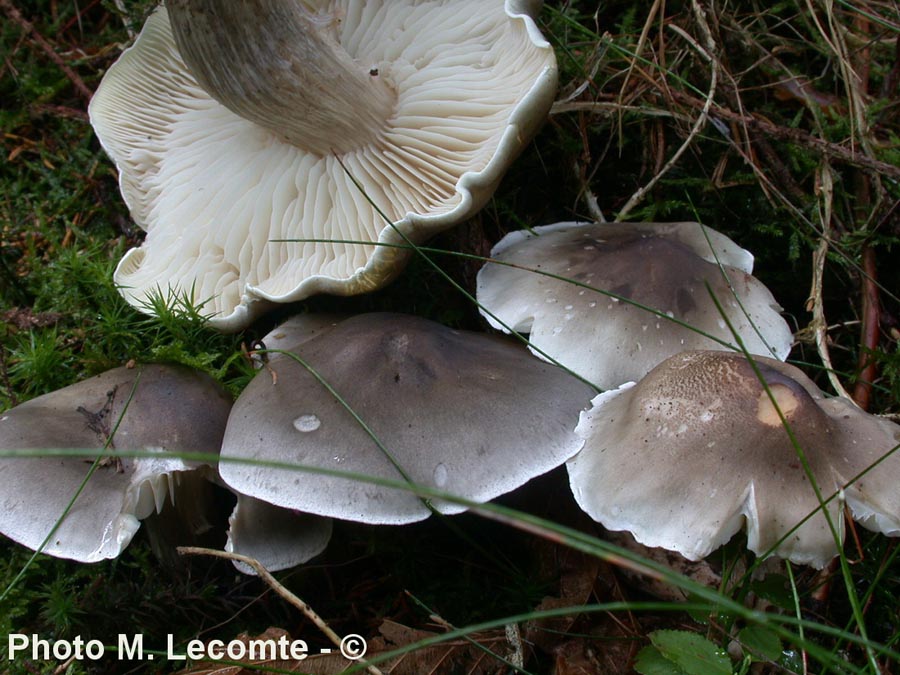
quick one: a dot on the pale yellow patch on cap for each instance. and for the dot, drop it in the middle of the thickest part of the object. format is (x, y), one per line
(785, 399)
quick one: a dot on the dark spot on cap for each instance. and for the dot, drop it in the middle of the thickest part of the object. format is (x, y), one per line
(624, 290)
(684, 301)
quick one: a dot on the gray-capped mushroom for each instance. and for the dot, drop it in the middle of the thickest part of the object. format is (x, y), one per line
(469, 414)
(281, 106)
(697, 450)
(297, 329)
(278, 538)
(663, 266)
(162, 409)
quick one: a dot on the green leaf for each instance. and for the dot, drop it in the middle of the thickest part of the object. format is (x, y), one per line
(651, 662)
(692, 653)
(776, 589)
(761, 643)
(701, 616)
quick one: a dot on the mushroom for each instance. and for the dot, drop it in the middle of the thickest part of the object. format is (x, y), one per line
(697, 449)
(278, 538)
(468, 414)
(663, 266)
(156, 408)
(239, 129)
(298, 329)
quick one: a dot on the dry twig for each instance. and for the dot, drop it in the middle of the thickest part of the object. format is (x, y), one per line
(818, 145)
(273, 583)
(815, 304)
(709, 54)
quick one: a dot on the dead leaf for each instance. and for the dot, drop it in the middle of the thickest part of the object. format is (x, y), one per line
(576, 658)
(700, 571)
(24, 318)
(441, 659)
(577, 574)
(314, 664)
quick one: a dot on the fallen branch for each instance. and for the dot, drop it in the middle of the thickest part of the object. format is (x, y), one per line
(826, 148)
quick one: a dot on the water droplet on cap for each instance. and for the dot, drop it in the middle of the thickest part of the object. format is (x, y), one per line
(440, 475)
(307, 423)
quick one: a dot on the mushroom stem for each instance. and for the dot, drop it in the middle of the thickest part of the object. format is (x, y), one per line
(280, 65)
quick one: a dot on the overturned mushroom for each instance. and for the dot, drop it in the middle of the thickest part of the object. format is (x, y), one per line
(251, 131)
(162, 409)
(468, 414)
(697, 449)
(663, 266)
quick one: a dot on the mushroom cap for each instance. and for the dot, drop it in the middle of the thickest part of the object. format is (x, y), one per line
(469, 414)
(278, 538)
(172, 409)
(474, 81)
(696, 449)
(298, 329)
(664, 266)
